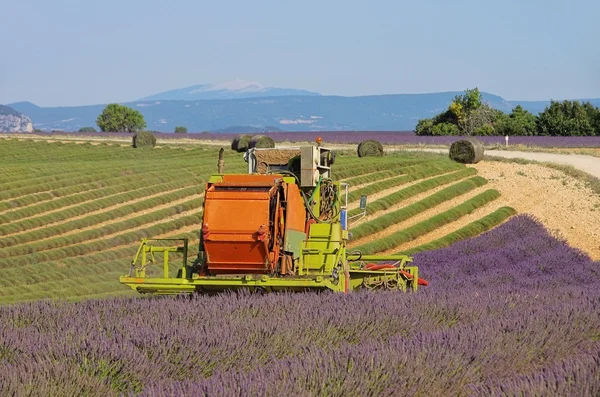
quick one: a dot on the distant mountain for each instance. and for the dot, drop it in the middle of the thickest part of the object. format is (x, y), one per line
(13, 121)
(288, 113)
(236, 89)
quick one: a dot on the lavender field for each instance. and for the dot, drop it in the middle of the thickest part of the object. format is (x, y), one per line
(511, 312)
(354, 137)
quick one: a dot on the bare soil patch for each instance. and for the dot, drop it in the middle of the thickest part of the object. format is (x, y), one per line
(562, 203)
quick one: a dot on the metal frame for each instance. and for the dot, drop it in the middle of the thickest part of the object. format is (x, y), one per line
(352, 276)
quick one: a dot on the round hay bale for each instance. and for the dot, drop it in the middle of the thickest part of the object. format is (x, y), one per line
(467, 151)
(143, 139)
(262, 141)
(370, 147)
(241, 143)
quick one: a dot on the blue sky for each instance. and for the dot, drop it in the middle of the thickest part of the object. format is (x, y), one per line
(75, 52)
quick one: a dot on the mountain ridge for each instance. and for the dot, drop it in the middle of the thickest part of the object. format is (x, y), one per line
(235, 89)
(386, 112)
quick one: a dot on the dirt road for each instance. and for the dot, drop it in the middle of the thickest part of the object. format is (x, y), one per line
(589, 164)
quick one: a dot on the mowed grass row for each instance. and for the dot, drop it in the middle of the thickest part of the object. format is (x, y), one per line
(390, 218)
(125, 181)
(395, 198)
(42, 151)
(395, 239)
(62, 214)
(106, 216)
(85, 175)
(473, 229)
(392, 172)
(342, 171)
(74, 279)
(104, 175)
(100, 232)
(170, 226)
(432, 169)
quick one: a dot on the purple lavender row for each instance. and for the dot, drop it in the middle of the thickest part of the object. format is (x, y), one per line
(355, 137)
(505, 311)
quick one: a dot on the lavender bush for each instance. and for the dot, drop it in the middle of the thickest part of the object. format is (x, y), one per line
(511, 312)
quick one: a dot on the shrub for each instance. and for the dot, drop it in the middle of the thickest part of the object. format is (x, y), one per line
(445, 129)
(181, 130)
(485, 130)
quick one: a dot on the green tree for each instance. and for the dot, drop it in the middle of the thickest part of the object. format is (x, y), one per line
(566, 118)
(180, 130)
(87, 129)
(445, 129)
(485, 130)
(464, 107)
(117, 118)
(519, 122)
(424, 127)
(593, 114)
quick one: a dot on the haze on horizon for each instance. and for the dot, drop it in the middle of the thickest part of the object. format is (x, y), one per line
(69, 52)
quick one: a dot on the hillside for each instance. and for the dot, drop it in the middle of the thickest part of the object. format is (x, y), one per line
(13, 121)
(395, 112)
(289, 113)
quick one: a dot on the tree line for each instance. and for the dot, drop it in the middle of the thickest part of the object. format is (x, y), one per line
(120, 118)
(467, 114)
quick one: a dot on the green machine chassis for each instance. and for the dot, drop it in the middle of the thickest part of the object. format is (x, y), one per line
(351, 274)
(323, 262)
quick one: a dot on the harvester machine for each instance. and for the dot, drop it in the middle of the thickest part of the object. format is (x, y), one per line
(281, 226)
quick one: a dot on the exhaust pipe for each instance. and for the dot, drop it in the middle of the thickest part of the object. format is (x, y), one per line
(220, 164)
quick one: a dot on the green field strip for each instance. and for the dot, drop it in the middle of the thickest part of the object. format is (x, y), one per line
(79, 282)
(43, 202)
(104, 176)
(395, 198)
(396, 171)
(57, 171)
(104, 216)
(342, 172)
(395, 239)
(75, 152)
(96, 284)
(391, 218)
(93, 263)
(102, 244)
(471, 230)
(23, 181)
(102, 231)
(424, 172)
(67, 212)
(59, 283)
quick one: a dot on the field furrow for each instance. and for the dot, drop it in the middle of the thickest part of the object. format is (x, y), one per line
(103, 219)
(463, 221)
(469, 230)
(433, 201)
(420, 225)
(388, 198)
(104, 232)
